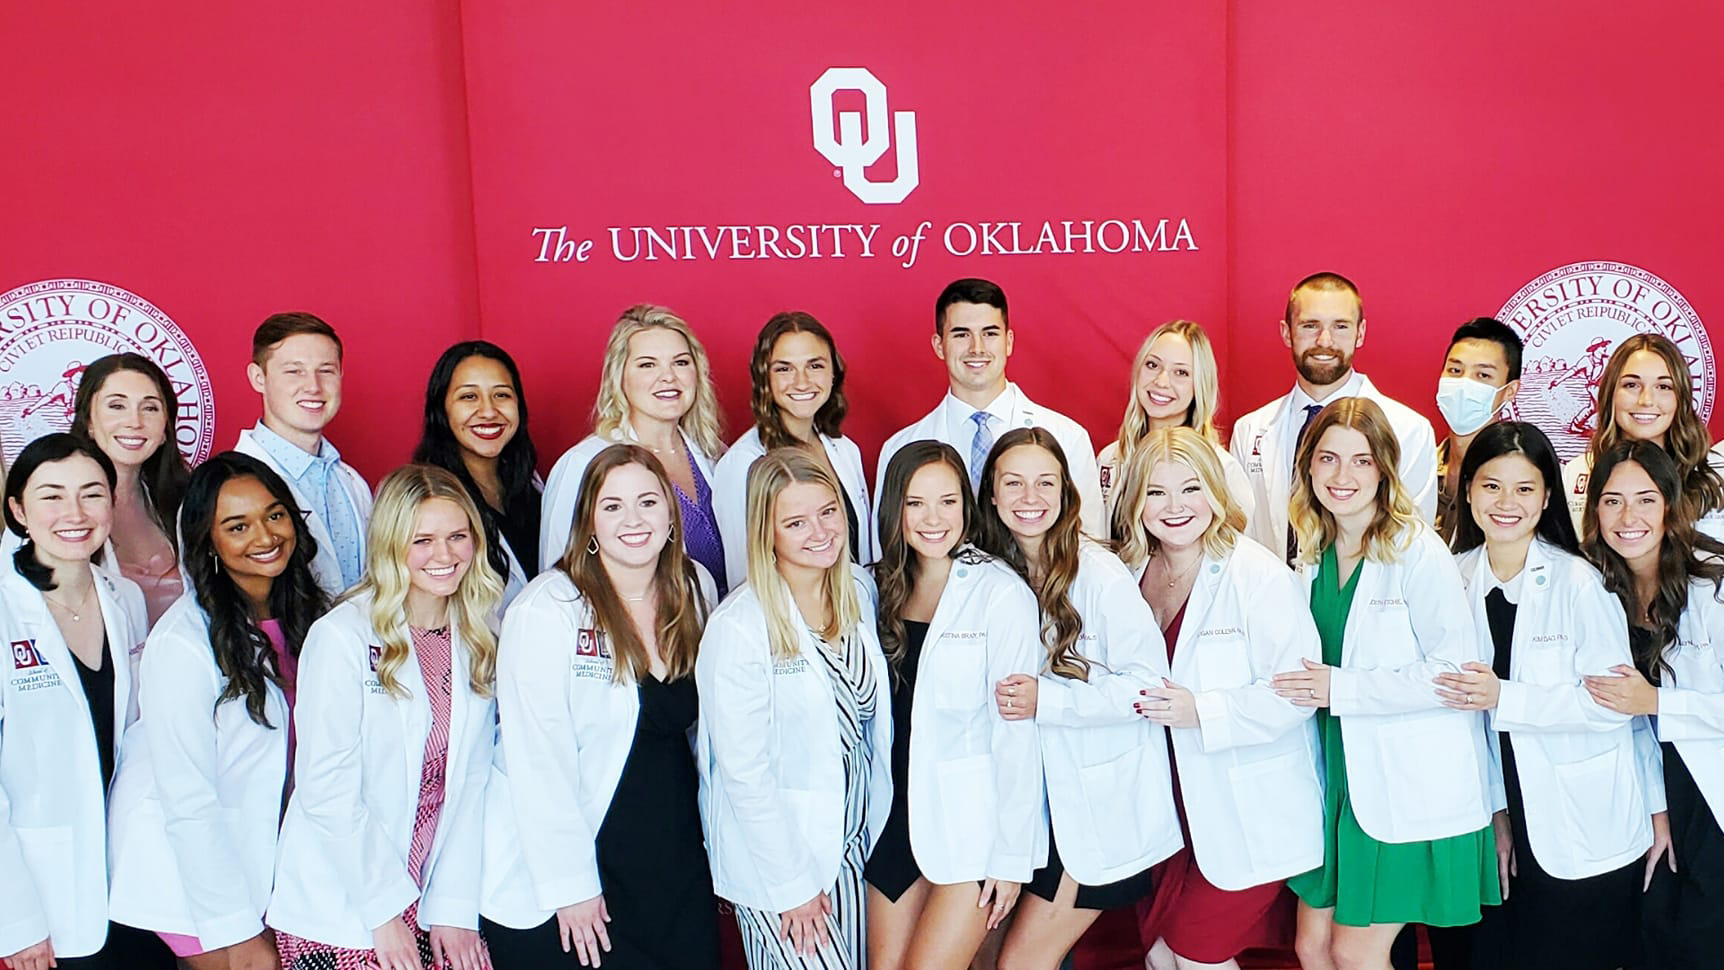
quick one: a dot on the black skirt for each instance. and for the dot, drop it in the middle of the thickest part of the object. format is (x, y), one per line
(1126, 892)
(1682, 916)
(892, 866)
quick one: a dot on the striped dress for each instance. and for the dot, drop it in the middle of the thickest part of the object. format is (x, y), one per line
(853, 689)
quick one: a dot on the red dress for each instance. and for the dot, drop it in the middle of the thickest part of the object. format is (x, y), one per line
(1199, 921)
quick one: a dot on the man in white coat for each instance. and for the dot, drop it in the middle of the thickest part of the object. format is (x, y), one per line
(973, 335)
(1323, 327)
(296, 366)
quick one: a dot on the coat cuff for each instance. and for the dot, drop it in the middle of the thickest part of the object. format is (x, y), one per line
(1213, 725)
(227, 929)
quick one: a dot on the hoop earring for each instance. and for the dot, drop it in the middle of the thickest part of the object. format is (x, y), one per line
(593, 546)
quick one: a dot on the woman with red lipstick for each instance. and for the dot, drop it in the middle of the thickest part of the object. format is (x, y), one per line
(126, 405)
(378, 861)
(1646, 394)
(1110, 797)
(1410, 783)
(1247, 778)
(65, 693)
(475, 428)
(1670, 580)
(1175, 384)
(656, 391)
(197, 797)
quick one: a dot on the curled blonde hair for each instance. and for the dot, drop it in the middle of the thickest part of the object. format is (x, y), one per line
(1205, 388)
(387, 580)
(702, 421)
(1396, 519)
(768, 477)
(1181, 446)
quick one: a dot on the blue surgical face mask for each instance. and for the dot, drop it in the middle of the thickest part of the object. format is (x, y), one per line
(1467, 405)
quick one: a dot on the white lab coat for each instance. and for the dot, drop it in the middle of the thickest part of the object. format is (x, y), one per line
(771, 769)
(1238, 485)
(975, 782)
(1416, 770)
(1110, 789)
(730, 498)
(563, 488)
(566, 729)
(326, 568)
(1691, 704)
(1264, 442)
(1580, 771)
(53, 811)
(1251, 772)
(197, 796)
(341, 860)
(1013, 410)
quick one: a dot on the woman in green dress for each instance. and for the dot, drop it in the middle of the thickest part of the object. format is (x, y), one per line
(1411, 784)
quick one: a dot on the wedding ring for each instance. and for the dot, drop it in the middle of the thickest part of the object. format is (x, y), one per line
(1311, 692)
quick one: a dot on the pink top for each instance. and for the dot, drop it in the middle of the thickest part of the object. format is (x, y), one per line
(434, 649)
(159, 578)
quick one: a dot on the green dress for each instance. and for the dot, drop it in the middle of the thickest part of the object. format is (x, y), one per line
(1439, 883)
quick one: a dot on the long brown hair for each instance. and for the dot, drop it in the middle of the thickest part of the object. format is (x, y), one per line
(1677, 558)
(829, 419)
(1396, 519)
(895, 574)
(1686, 441)
(680, 605)
(163, 475)
(1061, 623)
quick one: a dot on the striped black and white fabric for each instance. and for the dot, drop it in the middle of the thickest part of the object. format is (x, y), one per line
(854, 689)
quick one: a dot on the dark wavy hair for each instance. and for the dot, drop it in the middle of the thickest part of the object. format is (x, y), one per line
(1684, 554)
(163, 474)
(515, 465)
(1555, 525)
(242, 651)
(896, 571)
(45, 450)
(1061, 623)
(829, 419)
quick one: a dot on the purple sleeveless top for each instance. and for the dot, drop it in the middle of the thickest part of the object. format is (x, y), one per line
(699, 529)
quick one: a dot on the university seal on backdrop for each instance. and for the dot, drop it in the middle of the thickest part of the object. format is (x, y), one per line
(1571, 318)
(52, 330)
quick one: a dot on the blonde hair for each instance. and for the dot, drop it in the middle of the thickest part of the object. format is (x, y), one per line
(1181, 446)
(677, 595)
(1205, 389)
(1396, 519)
(702, 422)
(768, 477)
(387, 581)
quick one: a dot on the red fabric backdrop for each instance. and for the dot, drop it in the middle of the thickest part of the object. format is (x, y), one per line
(386, 166)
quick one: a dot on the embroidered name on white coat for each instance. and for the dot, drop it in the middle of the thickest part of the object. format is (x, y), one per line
(963, 635)
(1222, 631)
(1549, 637)
(1388, 604)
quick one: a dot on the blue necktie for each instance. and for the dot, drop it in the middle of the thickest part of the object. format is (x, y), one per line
(1310, 416)
(980, 445)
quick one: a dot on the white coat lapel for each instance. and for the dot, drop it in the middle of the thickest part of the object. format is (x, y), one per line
(118, 627)
(1277, 480)
(38, 624)
(1198, 606)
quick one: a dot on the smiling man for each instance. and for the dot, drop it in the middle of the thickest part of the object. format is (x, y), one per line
(296, 366)
(973, 336)
(1323, 327)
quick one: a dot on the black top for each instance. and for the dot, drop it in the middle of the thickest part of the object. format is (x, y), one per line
(892, 867)
(98, 687)
(856, 536)
(520, 528)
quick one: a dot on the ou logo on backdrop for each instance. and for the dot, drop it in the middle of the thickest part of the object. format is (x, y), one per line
(850, 151)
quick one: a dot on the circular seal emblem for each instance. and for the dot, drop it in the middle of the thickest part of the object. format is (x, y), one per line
(51, 330)
(1571, 318)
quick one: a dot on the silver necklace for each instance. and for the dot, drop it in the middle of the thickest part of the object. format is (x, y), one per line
(76, 612)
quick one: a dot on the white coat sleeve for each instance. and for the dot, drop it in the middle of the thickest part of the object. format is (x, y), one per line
(1649, 760)
(1086, 475)
(1602, 628)
(543, 755)
(1014, 648)
(1419, 469)
(451, 895)
(23, 921)
(1239, 486)
(730, 509)
(887, 450)
(1685, 714)
(179, 690)
(1133, 653)
(557, 506)
(1443, 633)
(328, 720)
(733, 677)
(1279, 633)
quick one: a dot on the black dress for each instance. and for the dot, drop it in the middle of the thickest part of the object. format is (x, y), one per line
(1682, 919)
(651, 855)
(1547, 922)
(892, 867)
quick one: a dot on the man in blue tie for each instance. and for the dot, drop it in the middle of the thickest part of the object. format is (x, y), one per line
(973, 336)
(1324, 325)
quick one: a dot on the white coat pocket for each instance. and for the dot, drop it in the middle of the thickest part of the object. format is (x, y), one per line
(1111, 790)
(1285, 781)
(48, 855)
(967, 809)
(1439, 748)
(1593, 803)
